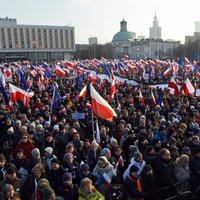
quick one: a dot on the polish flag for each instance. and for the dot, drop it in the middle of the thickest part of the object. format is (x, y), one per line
(68, 64)
(120, 163)
(59, 71)
(83, 92)
(187, 87)
(18, 94)
(100, 106)
(172, 84)
(112, 90)
(153, 100)
(141, 98)
(166, 72)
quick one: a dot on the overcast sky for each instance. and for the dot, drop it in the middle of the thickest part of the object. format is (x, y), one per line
(101, 18)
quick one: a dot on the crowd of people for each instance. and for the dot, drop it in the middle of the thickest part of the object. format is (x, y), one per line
(148, 151)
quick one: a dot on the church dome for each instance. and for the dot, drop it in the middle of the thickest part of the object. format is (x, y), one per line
(123, 34)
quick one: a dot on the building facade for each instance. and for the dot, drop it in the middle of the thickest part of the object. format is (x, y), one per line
(155, 30)
(35, 42)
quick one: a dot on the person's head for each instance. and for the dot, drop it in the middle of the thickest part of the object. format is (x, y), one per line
(86, 186)
(134, 171)
(76, 136)
(117, 151)
(106, 152)
(138, 157)
(113, 142)
(11, 174)
(87, 143)
(48, 151)
(35, 154)
(70, 148)
(25, 138)
(183, 160)
(8, 191)
(48, 194)
(20, 153)
(2, 160)
(165, 154)
(150, 135)
(55, 164)
(85, 169)
(115, 182)
(102, 162)
(67, 179)
(68, 158)
(49, 136)
(38, 170)
(103, 130)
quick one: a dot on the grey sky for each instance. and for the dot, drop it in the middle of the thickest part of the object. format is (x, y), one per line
(101, 18)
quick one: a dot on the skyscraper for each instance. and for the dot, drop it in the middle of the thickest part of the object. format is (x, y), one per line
(155, 30)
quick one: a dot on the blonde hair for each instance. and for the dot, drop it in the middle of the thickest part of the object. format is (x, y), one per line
(84, 182)
(40, 167)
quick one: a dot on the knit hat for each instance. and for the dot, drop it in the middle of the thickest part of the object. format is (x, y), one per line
(35, 152)
(115, 180)
(103, 158)
(47, 193)
(105, 151)
(84, 167)
(2, 158)
(49, 150)
(172, 141)
(67, 176)
(67, 156)
(186, 150)
(134, 168)
(55, 160)
(56, 127)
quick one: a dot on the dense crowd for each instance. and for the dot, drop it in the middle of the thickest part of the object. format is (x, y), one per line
(148, 152)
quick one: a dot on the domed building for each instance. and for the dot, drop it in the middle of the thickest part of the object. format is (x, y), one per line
(123, 35)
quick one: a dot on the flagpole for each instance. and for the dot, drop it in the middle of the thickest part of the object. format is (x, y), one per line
(95, 153)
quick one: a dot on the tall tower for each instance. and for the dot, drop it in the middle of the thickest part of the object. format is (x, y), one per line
(155, 30)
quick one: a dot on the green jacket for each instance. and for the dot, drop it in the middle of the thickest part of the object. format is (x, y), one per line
(96, 196)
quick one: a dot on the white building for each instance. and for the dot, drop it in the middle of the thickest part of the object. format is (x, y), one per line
(155, 30)
(35, 42)
(93, 40)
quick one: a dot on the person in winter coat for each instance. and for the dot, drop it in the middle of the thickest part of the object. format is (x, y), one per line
(116, 191)
(138, 161)
(48, 157)
(30, 185)
(133, 185)
(55, 174)
(68, 190)
(85, 172)
(195, 168)
(103, 166)
(182, 173)
(9, 193)
(164, 176)
(148, 183)
(26, 144)
(71, 166)
(88, 192)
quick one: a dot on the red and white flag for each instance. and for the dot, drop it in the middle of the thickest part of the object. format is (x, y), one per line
(153, 100)
(120, 163)
(187, 87)
(18, 94)
(100, 106)
(141, 98)
(60, 71)
(173, 85)
(83, 92)
(112, 90)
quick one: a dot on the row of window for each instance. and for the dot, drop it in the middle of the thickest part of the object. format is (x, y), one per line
(35, 38)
